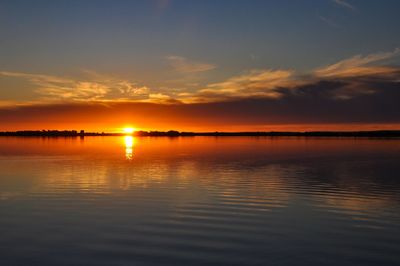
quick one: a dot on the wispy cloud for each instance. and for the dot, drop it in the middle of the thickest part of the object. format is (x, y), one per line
(344, 4)
(255, 83)
(328, 21)
(359, 66)
(184, 65)
(95, 88)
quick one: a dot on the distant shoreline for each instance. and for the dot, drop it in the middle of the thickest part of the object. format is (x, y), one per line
(173, 133)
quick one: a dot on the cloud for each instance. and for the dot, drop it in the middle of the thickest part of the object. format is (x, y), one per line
(253, 84)
(184, 65)
(328, 21)
(357, 76)
(94, 88)
(359, 66)
(344, 4)
(35, 77)
(311, 104)
(349, 78)
(353, 89)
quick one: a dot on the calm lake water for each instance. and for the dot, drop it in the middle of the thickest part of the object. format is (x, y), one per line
(199, 201)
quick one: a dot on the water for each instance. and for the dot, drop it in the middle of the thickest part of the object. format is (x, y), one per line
(199, 201)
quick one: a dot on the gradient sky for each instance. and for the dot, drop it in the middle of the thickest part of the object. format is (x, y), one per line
(200, 65)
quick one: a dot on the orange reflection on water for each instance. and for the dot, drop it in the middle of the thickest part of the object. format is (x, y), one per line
(129, 141)
(244, 171)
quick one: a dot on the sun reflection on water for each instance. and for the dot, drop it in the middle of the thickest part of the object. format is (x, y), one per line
(129, 141)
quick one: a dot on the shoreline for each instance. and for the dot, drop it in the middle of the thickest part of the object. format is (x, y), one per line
(172, 133)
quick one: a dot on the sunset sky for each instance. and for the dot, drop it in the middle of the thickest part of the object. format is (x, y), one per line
(201, 65)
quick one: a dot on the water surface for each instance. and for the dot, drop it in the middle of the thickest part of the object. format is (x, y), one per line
(199, 201)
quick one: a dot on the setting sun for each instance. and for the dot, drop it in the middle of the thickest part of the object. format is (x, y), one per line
(129, 130)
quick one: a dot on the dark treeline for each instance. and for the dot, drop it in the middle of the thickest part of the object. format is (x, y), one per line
(173, 133)
(45, 133)
(51, 133)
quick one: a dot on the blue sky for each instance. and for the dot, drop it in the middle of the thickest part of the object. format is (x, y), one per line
(132, 38)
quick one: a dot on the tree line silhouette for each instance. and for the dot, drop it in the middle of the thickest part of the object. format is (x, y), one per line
(174, 133)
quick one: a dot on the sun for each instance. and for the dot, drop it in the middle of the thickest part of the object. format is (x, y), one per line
(129, 130)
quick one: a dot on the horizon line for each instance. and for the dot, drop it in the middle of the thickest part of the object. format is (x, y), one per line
(174, 133)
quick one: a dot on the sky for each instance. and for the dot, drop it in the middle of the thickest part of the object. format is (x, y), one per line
(233, 65)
